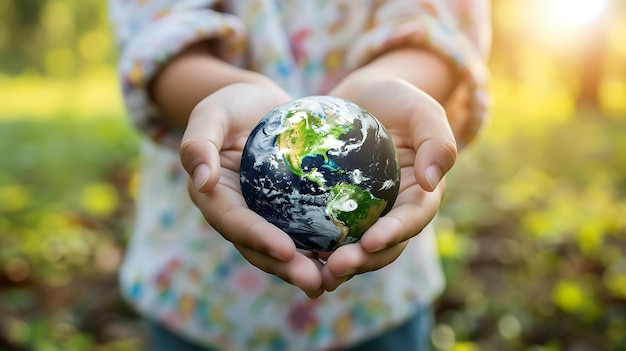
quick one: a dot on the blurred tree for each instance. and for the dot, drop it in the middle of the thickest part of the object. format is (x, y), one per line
(20, 25)
(46, 36)
(591, 62)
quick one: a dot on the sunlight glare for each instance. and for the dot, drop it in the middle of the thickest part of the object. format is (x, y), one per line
(578, 11)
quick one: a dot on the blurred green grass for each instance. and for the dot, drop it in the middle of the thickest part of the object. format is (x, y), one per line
(65, 205)
(533, 238)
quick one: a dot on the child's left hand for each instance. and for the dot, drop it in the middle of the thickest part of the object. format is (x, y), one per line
(426, 150)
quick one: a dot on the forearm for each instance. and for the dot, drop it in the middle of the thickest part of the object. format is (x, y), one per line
(192, 76)
(423, 69)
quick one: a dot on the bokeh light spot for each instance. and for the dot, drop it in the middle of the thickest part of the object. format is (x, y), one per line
(443, 337)
(99, 199)
(509, 326)
(577, 11)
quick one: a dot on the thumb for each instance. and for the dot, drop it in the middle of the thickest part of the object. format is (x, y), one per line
(434, 158)
(201, 144)
(434, 142)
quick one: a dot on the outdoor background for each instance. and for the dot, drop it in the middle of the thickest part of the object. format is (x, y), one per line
(532, 232)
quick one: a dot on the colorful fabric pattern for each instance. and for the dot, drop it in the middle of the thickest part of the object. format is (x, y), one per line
(178, 270)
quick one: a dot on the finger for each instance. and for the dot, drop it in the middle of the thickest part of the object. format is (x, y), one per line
(226, 212)
(201, 143)
(351, 259)
(434, 142)
(301, 271)
(414, 210)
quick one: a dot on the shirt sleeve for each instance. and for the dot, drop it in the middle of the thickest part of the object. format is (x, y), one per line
(149, 33)
(458, 30)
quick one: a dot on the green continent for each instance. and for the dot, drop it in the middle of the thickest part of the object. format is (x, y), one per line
(305, 136)
(353, 210)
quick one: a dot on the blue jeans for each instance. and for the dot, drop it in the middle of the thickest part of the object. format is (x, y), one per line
(413, 335)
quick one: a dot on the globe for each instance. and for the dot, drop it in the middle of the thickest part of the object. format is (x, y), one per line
(322, 169)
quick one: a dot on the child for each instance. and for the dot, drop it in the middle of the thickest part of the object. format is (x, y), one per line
(199, 74)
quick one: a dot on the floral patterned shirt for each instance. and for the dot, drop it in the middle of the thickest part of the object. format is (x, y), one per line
(180, 271)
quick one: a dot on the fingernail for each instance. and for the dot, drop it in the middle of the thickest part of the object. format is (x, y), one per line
(348, 274)
(201, 175)
(379, 248)
(344, 279)
(433, 176)
(276, 255)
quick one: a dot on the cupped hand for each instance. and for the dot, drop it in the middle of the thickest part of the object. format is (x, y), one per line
(426, 151)
(210, 152)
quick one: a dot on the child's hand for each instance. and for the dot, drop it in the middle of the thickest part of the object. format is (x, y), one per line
(211, 150)
(426, 150)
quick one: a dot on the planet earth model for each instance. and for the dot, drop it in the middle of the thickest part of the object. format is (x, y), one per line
(322, 169)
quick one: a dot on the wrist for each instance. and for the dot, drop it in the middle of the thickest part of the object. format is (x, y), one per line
(192, 76)
(421, 68)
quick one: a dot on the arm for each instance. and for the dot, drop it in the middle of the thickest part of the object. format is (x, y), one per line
(190, 77)
(419, 67)
(178, 87)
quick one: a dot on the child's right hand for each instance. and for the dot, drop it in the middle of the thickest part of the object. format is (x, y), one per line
(211, 150)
